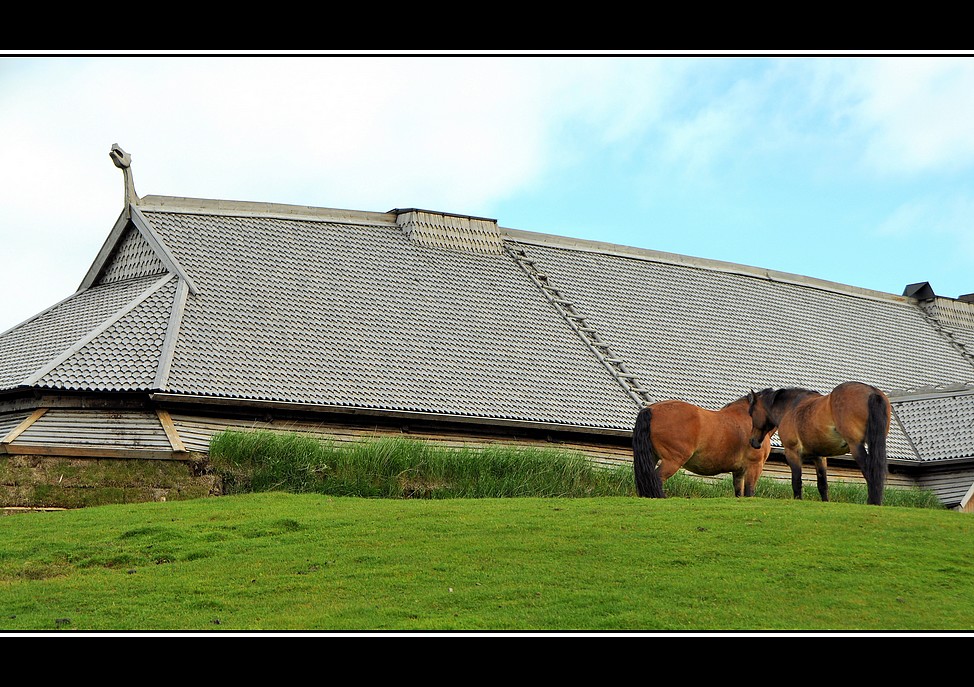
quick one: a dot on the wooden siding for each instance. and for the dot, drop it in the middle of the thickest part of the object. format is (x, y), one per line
(92, 433)
(169, 434)
(10, 421)
(950, 484)
(777, 468)
(197, 431)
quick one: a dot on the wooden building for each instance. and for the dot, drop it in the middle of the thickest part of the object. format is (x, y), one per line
(200, 315)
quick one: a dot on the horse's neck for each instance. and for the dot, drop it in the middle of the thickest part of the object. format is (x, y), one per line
(787, 399)
(740, 405)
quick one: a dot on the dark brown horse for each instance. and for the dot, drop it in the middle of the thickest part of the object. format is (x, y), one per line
(669, 435)
(851, 418)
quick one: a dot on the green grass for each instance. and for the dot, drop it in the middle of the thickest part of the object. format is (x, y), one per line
(281, 562)
(403, 537)
(405, 468)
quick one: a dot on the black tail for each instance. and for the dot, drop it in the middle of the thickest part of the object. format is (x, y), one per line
(875, 468)
(644, 458)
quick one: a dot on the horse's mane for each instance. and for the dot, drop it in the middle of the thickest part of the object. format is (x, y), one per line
(787, 396)
(742, 399)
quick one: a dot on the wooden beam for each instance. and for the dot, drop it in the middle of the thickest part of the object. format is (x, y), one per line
(22, 427)
(167, 424)
(105, 452)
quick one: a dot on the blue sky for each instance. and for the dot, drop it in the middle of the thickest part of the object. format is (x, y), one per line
(853, 169)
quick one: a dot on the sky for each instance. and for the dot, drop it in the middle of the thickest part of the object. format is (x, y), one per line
(852, 168)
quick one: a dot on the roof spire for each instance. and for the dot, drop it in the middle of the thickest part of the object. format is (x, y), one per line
(123, 161)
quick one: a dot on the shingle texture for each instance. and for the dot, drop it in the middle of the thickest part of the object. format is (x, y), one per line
(708, 336)
(133, 258)
(27, 348)
(955, 319)
(123, 357)
(317, 312)
(941, 427)
(357, 310)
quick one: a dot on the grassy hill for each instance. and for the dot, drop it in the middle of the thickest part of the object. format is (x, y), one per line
(399, 537)
(314, 563)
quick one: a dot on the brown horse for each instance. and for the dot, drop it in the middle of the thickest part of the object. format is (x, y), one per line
(810, 425)
(672, 434)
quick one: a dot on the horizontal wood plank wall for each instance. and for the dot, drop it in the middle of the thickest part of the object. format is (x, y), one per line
(950, 484)
(130, 432)
(93, 433)
(15, 429)
(8, 421)
(196, 433)
(777, 468)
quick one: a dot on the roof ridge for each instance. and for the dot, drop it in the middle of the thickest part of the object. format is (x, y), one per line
(172, 332)
(679, 259)
(132, 217)
(246, 208)
(928, 392)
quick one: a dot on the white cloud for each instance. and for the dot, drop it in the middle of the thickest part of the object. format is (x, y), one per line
(450, 133)
(359, 130)
(917, 113)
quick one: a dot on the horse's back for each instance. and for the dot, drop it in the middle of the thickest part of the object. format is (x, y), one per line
(829, 425)
(850, 405)
(674, 418)
(855, 391)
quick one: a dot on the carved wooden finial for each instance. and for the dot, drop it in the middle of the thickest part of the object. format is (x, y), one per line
(123, 161)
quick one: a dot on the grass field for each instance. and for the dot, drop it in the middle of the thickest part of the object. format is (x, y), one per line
(311, 563)
(284, 558)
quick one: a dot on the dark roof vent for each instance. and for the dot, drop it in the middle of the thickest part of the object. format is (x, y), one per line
(123, 161)
(922, 291)
(967, 297)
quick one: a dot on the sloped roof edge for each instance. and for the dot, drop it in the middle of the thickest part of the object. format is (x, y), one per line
(132, 215)
(205, 206)
(259, 209)
(591, 246)
(145, 228)
(41, 313)
(89, 336)
(198, 400)
(114, 236)
(172, 333)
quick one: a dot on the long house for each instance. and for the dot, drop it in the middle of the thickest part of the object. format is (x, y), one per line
(202, 315)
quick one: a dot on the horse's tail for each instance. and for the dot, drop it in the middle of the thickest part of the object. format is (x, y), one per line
(877, 426)
(644, 458)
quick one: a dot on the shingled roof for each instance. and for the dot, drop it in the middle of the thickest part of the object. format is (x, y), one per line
(452, 316)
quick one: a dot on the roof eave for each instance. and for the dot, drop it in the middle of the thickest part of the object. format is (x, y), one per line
(319, 408)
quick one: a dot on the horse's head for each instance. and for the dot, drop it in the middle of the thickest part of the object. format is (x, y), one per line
(759, 406)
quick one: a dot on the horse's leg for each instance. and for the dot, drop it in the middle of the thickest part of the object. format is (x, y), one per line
(739, 487)
(795, 463)
(667, 468)
(821, 476)
(751, 476)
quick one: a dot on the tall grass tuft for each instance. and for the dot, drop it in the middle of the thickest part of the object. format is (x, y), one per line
(405, 468)
(398, 468)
